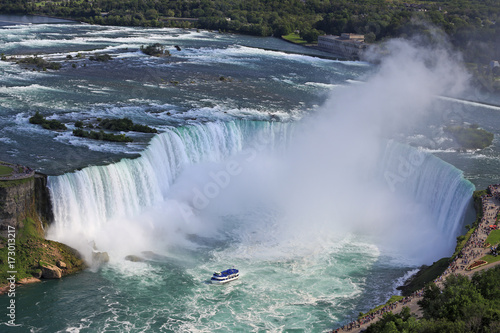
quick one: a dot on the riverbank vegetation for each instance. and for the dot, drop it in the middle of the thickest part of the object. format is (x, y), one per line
(32, 251)
(294, 38)
(464, 305)
(12, 183)
(424, 276)
(472, 24)
(393, 299)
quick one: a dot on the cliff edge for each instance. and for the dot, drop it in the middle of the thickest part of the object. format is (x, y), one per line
(25, 254)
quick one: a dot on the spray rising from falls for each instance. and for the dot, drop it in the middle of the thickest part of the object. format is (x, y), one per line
(428, 180)
(334, 178)
(84, 201)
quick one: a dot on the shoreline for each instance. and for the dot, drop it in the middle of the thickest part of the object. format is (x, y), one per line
(472, 251)
(69, 21)
(55, 20)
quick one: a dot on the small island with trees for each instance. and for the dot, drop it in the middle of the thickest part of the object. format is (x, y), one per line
(116, 125)
(54, 125)
(470, 137)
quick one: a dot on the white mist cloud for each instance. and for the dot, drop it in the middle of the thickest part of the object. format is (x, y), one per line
(327, 185)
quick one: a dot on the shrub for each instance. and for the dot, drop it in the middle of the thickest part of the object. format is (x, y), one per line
(124, 124)
(102, 136)
(100, 57)
(54, 125)
(40, 63)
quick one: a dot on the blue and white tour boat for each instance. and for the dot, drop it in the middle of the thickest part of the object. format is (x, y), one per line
(225, 276)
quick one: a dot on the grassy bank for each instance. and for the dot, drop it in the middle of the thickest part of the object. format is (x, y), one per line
(30, 248)
(426, 275)
(493, 238)
(389, 302)
(294, 38)
(10, 183)
(5, 170)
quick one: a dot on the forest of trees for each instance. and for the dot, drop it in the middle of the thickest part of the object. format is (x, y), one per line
(464, 305)
(471, 24)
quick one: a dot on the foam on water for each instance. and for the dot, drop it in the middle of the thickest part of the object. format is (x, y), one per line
(7, 140)
(248, 55)
(27, 89)
(471, 103)
(322, 85)
(100, 146)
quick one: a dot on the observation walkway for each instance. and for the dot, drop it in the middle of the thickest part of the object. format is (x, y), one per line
(9, 171)
(474, 249)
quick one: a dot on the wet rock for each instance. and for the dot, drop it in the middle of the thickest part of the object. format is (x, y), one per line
(100, 257)
(134, 258)
(50, 271)
(61, 264)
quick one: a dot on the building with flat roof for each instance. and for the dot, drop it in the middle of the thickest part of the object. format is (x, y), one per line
(347, 45)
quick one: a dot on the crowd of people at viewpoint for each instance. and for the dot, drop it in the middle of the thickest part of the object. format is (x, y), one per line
(471, 251)
(371, 316)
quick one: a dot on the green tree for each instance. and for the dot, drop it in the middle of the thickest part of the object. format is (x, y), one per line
(151, 14)
(310, 35)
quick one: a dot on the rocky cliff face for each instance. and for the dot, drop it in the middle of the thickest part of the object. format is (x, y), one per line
(25, 205)
(16, 199)
(19, 199)
(42, 199)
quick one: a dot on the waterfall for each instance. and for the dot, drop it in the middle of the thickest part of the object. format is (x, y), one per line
(86, 199)
(429, 181)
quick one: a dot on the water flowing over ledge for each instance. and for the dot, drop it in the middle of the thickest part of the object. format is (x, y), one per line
(430, 181)
(85, 200)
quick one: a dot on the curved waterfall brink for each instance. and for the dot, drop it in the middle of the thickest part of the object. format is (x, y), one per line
(86, 199)
(429, 181)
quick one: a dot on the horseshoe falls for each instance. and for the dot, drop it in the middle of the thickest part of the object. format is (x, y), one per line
(296, 170)
(85, 200)
(318, 277)
(427, 179)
